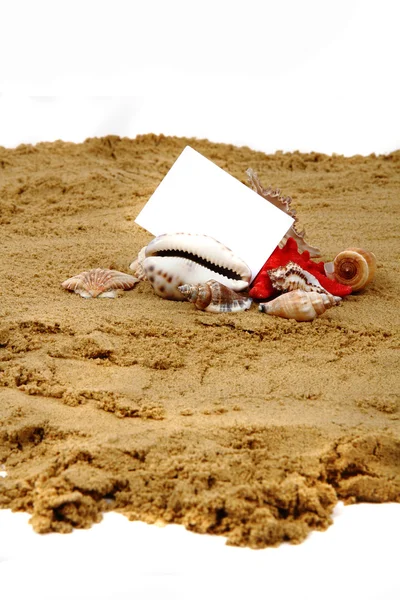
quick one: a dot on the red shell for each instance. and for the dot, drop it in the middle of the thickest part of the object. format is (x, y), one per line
(262, 286)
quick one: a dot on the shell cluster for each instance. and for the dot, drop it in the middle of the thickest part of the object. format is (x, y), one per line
(215, 297)
(99, 283)
(205, 272)
(198, 268)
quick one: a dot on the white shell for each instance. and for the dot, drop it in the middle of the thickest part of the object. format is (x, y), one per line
(172, 260)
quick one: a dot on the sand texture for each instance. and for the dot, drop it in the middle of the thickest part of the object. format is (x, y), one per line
(244, 425)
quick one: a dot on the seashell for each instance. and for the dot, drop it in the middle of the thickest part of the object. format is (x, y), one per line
(99, 283)
(137, 265)
(172, 260)
(293, 277)
(354, 267)
(284, 204)
(213, 296)
(300, 305)
(262, 287)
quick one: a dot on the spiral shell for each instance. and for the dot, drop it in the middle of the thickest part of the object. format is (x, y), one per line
(299, 305)
(292, 277)
(355, 267)
(215, 297)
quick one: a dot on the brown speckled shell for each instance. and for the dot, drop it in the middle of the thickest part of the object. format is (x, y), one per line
(174, 259)
(213, 296)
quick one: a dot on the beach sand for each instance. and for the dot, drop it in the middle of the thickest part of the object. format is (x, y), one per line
(243, 425)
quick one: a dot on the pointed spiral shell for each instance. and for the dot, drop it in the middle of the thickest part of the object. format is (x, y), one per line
(292, 277)
(299, 305)
(355, 267)
(214, 296)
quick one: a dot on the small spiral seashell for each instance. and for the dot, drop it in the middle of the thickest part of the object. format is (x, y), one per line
(99, 283)
(299, 305)
(292, 277)
(215, 297)
(355, 267)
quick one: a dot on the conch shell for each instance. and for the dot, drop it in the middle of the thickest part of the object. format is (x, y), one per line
(299, 305)
(293, 277)
(355, 267)
(215, 297)
(283, 203)
(172, 260)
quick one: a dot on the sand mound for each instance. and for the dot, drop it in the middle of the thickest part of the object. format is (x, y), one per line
(244, 425)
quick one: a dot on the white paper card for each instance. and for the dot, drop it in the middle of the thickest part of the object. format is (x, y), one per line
(197, 196)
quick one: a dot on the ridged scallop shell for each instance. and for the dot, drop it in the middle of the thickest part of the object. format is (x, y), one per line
(299, 305)
(172, 260)
(354, 266)
(99, 283)
(213, 296)
(293, 277)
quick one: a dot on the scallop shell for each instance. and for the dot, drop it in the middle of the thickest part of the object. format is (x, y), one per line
(172, 260)
(99, 283)
(293, 277)
(215, 297)
(355, 267)
(300, 305)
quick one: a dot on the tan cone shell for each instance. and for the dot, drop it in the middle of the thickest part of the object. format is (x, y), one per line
(299, 305)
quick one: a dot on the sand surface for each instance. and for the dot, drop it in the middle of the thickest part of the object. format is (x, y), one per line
(244, 425)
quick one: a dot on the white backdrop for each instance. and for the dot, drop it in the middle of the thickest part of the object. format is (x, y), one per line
(290, 75)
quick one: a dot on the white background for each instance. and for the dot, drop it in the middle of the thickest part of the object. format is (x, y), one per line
(283, 74)
(271, 74)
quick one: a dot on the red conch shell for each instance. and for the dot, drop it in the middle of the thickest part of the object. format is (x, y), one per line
(262, 287)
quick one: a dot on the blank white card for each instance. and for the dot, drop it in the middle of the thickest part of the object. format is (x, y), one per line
(197, 196)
